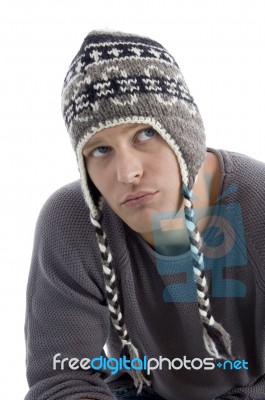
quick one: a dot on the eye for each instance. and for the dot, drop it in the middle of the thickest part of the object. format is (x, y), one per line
(100, 151)
(146, 134)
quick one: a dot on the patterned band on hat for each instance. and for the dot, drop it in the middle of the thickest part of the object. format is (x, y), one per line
(110, 86)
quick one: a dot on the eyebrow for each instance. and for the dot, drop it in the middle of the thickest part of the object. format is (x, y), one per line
(91, 143)
(97, 141)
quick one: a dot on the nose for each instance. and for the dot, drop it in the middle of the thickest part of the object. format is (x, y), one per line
(129, 166)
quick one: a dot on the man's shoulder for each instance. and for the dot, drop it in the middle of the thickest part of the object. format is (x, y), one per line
(65, 212)
(65, 206)
(243, 182)
(66, 196)
(66, 192)
(243, 171)
(241, 164)
(244, 185)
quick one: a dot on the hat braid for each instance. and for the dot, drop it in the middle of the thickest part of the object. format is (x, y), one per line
(217, 340)
(113, 299)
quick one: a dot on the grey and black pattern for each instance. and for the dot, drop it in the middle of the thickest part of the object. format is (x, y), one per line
(108, 47)
(115, 51)
(86, 100)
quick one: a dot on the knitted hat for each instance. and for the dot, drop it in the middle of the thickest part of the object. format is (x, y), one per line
(118, 78)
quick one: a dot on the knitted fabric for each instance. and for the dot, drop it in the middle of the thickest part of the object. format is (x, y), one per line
(67, 309)
(119, 78)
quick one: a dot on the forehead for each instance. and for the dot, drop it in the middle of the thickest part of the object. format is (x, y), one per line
(107, 133)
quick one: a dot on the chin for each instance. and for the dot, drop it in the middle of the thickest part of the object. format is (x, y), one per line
(141, 221)
(143, 226)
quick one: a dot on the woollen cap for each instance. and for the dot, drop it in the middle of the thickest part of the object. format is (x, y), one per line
(120, 78)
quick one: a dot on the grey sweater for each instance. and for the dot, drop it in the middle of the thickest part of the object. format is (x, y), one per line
(67, 311)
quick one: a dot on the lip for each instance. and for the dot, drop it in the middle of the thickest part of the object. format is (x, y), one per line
(138, 198)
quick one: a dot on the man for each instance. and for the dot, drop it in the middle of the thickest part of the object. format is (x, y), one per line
(127, 263)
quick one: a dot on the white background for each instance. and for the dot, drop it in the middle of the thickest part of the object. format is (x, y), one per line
(219, 45)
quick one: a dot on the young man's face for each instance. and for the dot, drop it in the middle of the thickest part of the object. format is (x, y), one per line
(136, 172)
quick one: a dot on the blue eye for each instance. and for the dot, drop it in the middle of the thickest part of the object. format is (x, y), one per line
(146, 134)
(100, 151)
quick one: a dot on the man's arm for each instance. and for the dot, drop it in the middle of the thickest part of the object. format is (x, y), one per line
(66, 305)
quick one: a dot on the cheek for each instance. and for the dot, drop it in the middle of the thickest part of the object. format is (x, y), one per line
(168, 165)
(95, 176)
(102, 180)
(170, 179)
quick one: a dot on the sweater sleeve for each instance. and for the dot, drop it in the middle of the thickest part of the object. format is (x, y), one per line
(66, 310)
(248, 175)
(252, 391)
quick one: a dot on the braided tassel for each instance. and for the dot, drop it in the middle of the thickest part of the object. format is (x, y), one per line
(113, 303)
(138, 377)
(217, 341)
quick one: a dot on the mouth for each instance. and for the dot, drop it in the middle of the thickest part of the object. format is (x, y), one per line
(139, 198)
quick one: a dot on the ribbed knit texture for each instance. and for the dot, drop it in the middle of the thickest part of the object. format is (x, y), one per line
(67, 311)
